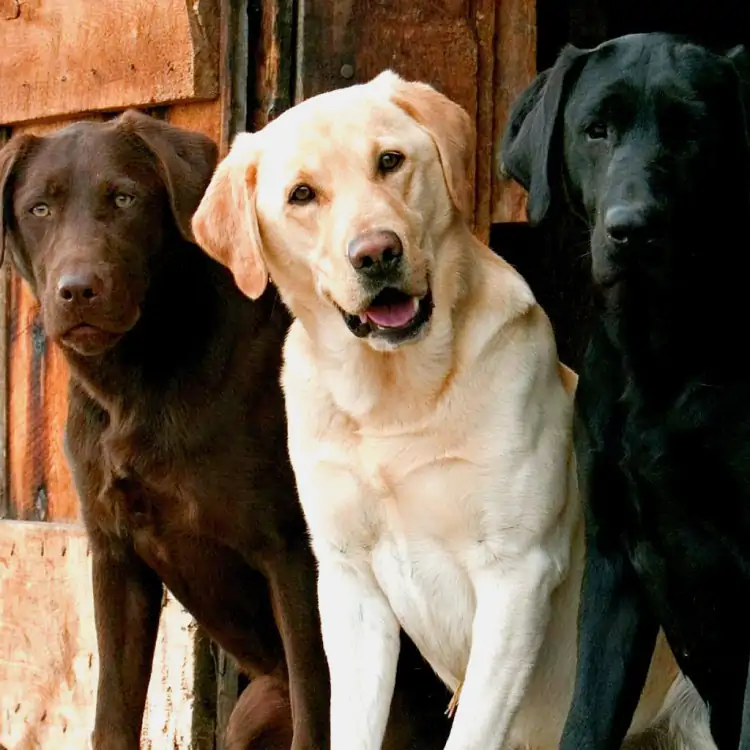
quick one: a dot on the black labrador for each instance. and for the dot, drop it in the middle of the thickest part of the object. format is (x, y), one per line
(176, 434)
(645, 139)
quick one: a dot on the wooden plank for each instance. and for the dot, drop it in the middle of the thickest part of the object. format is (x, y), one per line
(48, 653)
(67, 56)
(45, 127)
(515, 58)
(480, 54)
(203, 117)
(40, 484)
(5, 504)
(274, 60)
(485, 12)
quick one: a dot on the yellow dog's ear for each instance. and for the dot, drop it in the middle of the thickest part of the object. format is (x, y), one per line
(226, 223)
(451, 129)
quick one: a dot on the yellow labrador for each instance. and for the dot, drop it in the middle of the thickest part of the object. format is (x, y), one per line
(429, 418)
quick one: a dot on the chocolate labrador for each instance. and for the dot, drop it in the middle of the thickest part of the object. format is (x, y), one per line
(645, 138)
(175, 433)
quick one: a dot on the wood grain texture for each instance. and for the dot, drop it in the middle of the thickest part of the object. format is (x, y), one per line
(67, 56)
(5, 504)
(274, 61)
(480, 54)
(40, 483)
(515, 61)
(48, 655)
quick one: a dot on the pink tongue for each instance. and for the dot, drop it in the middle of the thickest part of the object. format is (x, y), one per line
(392, 316)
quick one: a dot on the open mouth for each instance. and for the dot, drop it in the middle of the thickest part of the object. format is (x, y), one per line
(392, 314)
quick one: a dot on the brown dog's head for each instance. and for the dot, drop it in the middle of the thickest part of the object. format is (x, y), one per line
(86, 215)
(345, 200)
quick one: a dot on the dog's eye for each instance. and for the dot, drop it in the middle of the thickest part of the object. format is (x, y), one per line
(390, 161)
(41, 210)
(596, 131)
(123, 200)
(301, 195)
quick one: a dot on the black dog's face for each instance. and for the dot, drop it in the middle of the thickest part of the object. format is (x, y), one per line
(85, 217)
(649, 129)
(644, 137)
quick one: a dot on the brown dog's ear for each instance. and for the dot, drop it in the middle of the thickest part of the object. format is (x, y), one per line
(451, 129)
(226, 224)
(10, 156)
(185, 159)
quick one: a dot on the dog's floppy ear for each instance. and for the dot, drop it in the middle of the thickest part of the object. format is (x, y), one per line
(10, 157)
(185, 159)
(740, 59)
(526, 152)
(449, 126)
(226, 223)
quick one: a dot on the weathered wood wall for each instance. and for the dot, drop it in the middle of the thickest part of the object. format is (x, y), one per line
(48, 659)
(481, 53)
(62, 61)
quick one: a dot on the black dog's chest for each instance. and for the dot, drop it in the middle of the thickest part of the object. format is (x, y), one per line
(680, 524)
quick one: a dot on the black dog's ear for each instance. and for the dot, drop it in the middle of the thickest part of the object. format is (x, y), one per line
(526, 150)
(186, 161)
(10, 158)
(740, 59)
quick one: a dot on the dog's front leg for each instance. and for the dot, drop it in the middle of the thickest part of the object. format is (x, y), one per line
(361, 640)
(293, 591)
(127, 605)
(616, 629)
(511, 617)
(616, 639)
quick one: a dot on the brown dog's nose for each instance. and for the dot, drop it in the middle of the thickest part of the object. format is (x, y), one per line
(375, 252)
(79, 288)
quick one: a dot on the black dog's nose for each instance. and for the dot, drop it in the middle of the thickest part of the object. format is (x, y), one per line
(80, 287)
(375, 252)
(626, 223)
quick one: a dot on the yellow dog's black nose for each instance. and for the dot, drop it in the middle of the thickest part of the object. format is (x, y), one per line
(375, 252)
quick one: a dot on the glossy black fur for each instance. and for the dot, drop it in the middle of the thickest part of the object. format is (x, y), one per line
(645, 139)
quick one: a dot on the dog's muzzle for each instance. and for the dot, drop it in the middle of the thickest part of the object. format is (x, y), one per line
(393, 312)
(393, 315)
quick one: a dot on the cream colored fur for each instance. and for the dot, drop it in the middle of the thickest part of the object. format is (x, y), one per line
(437, 477)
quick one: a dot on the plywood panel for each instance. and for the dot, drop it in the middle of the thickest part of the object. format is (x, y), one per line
(48, 654)
(67, 56)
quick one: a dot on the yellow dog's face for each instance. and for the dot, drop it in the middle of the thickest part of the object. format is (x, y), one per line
(345, 200)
